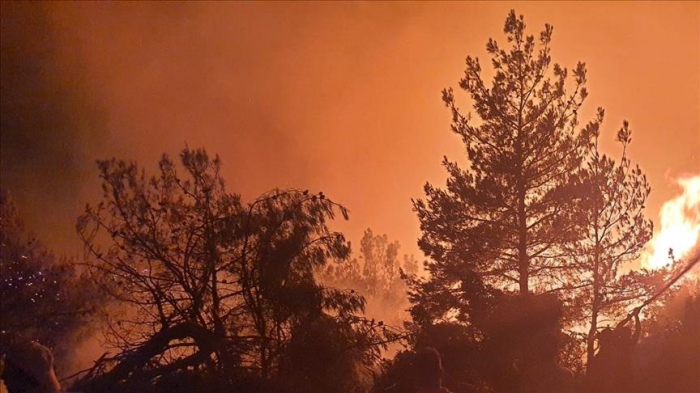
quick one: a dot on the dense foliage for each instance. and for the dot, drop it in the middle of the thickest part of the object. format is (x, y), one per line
(217, 285)
(42, 297)
(506, 214)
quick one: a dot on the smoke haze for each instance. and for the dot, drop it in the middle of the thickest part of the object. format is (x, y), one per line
(338, 97)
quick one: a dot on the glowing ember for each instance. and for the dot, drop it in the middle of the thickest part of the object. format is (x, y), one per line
(680, 225)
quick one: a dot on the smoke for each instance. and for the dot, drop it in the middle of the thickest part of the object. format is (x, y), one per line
(286, 97)
(342, 98)
(46, 115)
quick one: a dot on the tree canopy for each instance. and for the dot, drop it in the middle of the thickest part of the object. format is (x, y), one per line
(505, 216)
(214, 283)
(43, 297)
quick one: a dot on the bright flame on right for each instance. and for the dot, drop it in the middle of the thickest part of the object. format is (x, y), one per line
(680, 225)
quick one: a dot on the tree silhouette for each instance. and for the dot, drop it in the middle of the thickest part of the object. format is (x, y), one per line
(507, 214)
(614, 231)
(212, 283)
(538, 211)
(376, 275)
(380, 267)
(42, 297)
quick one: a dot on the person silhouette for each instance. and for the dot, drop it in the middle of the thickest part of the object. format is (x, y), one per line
(428, 371)
(611, 368)
(28, 367)
(544, 374)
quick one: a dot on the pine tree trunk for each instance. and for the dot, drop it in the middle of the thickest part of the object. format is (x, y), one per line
(590, 341)
(595, 304)
(523, 260)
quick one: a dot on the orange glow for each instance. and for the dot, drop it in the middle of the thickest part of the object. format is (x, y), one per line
(341, 97)
(679, 225)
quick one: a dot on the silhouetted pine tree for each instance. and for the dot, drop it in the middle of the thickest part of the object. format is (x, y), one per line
(503, 219)
(613, 231)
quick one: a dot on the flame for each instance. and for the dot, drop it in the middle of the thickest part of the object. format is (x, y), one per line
(680, 225)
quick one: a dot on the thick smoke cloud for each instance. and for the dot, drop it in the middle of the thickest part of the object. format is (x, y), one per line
(46, 115)
(343, 98)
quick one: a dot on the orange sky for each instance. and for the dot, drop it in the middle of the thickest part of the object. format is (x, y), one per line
(338, 97)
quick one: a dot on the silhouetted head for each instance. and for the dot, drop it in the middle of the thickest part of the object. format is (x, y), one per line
(28, 367)
(547, 349)
(428, 368)
(606, 337)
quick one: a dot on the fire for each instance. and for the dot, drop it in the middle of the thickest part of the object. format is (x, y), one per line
(680, 225)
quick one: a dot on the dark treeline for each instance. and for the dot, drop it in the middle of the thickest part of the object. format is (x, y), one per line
(526, 287)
